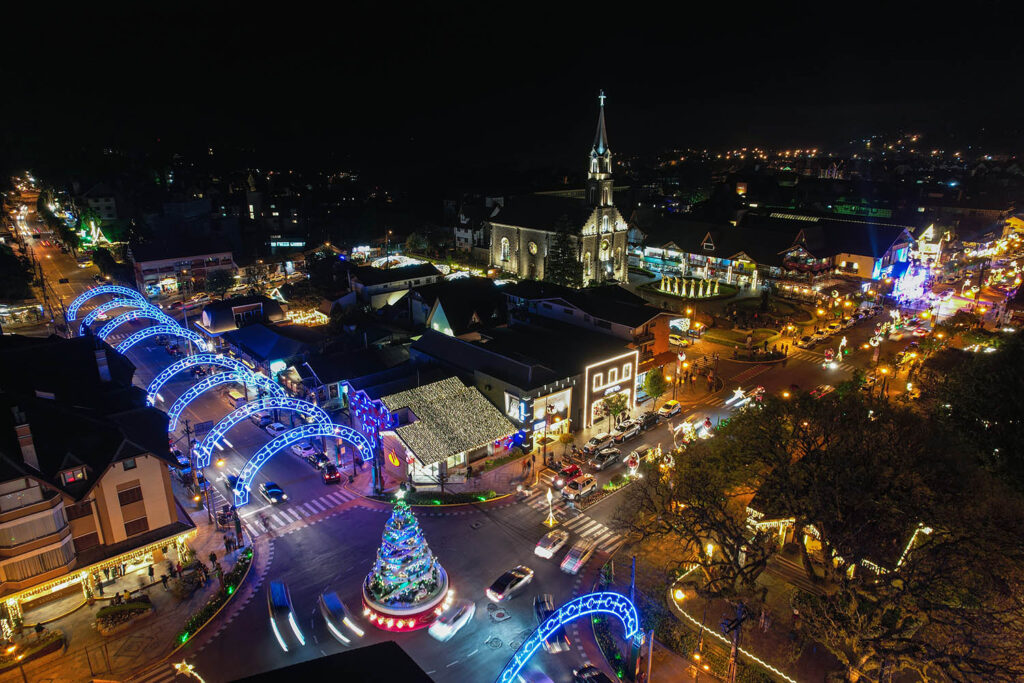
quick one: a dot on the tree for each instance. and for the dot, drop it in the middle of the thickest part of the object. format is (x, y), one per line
(615, 405)
(257, 278)
(416, 243)
(406, 573)
(218, 282)
(303, 295)
(563, 266)
(565, 438)
(654, 384)
(104, 260)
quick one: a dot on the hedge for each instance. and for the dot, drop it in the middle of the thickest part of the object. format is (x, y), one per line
(438, 498)
(110, 610)
(31, 649)
(206, 612)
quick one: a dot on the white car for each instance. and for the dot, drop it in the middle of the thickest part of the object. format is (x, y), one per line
(276, 429)
(578, 556)
(805, 342)
(550, 543)
(670, 408)
(452, 619)
(626, 430)
(598, 442)
(304, 450)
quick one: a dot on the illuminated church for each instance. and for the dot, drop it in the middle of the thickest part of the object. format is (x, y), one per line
(523, 230)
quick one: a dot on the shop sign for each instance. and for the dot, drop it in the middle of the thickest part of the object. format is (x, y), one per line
(613, 390)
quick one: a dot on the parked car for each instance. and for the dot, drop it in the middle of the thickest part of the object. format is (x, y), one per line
(452, 619)
(230, 482)
(579, 487)
(597, 442)
(648, 420)
(318, 460)
(63, 281)
(510, 583)
(272, 492)
(330, 474)
(605, 457)
(806, 342)
(850, 322)
(627, 430)
(677, 340)
(670, 408)
(833, 328)
(577, 556)
(304, 449)
(550, 543)
(276, 429)
(544, 607)
(567, 474)
(819, 335)
(261, 419)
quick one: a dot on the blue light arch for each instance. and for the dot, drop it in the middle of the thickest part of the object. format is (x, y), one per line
(191, 361)
(270, 386)
(156, 330)
(107, 306)
(205, 449)
(149, 312)
(290, 438)
(592, 603)
(102, 289)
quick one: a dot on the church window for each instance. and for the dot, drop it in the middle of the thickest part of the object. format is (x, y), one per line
(587, 271)
(505, 248)
(604, 224)
(533, 248)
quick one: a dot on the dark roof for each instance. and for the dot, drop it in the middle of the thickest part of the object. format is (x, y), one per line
(465, 298)
(379, 663)
(156, 251)
(609, 302)
(762, 245)
(401, 377)
(543, 212)
(827, 235)
(342, 365)
(278, 342)
(370, 275)
(221, 316)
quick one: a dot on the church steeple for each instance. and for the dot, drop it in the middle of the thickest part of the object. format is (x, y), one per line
(599, 175)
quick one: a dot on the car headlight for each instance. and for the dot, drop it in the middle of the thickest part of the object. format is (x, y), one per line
(273, 500)
(284, 496)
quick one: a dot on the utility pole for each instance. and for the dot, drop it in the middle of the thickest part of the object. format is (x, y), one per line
(734, 628)
(195, 474)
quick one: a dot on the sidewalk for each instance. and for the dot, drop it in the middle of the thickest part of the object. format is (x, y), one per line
(88, 655)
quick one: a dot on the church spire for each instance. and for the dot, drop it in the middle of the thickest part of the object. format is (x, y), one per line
(601, 136)
(599, 174)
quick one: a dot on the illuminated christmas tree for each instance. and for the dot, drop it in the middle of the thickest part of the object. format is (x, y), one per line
(407, 586)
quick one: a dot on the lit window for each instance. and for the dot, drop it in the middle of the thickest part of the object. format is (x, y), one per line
(129, 464)
(71, 476)
(627, 370)
(598, 380)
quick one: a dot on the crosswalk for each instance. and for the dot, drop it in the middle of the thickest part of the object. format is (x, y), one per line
(278, 515)
(818, 358)
(581, 525)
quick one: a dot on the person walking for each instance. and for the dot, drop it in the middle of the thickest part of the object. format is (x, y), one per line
(163, 580)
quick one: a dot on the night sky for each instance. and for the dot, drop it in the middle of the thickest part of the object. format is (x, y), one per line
(501, 84)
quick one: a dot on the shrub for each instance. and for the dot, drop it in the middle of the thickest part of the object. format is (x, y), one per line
(206, 612)
(438, 498)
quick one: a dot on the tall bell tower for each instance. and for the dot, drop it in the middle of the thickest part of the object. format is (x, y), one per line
(599, 174)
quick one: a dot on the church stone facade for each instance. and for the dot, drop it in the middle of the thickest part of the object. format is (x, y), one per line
(523, 231)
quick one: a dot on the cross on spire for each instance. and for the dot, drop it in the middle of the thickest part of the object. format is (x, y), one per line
(602, 97)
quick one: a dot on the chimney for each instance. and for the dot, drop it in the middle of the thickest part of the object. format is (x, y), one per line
(101, 365)
(24, 432)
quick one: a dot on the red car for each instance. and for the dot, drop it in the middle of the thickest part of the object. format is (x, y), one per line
(567, 474)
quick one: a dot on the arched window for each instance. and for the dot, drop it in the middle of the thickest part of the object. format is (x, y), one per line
(587, 268)
(618, 257)
(604, 224)
(505, 249)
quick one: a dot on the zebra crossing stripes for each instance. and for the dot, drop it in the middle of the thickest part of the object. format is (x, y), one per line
(819, 359)
(283, 516)
(162, 673)
(580, 525)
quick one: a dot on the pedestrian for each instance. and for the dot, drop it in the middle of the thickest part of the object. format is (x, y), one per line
(533, 460)
(766, 345)
(127, 595)
(170, 569)
(163, 580)
(106, 572)
(179, 567)
(227, 544)
(99, 587)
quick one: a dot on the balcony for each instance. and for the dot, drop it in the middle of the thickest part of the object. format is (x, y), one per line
(35, 543)
(11, 509)
(643, 338)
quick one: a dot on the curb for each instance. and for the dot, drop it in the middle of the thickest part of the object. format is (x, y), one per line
(476, 505)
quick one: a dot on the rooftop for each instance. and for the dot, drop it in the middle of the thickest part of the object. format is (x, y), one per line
(277, 342)
(170, 249)
(369, 275)
(610, 302)
(451, 418)
(543, 212)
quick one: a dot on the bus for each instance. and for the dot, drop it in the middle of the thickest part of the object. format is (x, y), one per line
(282, 616)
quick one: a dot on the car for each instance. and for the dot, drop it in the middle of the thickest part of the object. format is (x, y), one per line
(822, 390)
(567, 474)
(670, 408)
(544, 607)
(452, 619)
(819, 335)
(62, 281)
(850, 322)
(230, 482)
(272, 492)
(806, 342)
(330, 474)
(627, 430)
(318, 460)
(550, 543)
(304, 449)
(336, 615)
(282, 615)
(276, 429)
(597, 442)
(179, 456)
(510, 583)
(172, 349)
(833, 328)
(677, 340)
(577, 556)
(582, 485)
(921, 331)
(648, 420)
(261, 419)
(589, 673)
(605, 457)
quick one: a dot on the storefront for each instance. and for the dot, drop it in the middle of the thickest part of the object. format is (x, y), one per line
(614, 376)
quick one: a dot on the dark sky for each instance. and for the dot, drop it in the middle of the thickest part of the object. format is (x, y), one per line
(501, 83)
